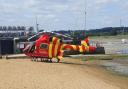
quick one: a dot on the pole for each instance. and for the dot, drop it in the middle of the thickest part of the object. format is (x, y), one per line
(85, 13)
(37, 25)
(122, 27)
(85, 27)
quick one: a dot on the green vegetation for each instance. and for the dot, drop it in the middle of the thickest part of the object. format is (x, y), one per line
(108, 32)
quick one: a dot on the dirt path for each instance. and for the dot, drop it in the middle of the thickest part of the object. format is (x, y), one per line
(70, 74)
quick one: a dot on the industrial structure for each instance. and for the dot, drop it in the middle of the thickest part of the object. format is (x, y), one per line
(11, 38)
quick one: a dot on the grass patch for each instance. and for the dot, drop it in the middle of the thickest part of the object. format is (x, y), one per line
(107, 57)
(85, 58)
(97, 58)
(119, 56)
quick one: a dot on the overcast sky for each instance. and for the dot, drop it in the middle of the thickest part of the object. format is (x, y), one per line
(64, 14)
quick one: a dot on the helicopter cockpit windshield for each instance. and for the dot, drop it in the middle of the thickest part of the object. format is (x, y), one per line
(30, 47)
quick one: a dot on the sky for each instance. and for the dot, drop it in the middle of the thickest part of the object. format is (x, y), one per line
(64, 14)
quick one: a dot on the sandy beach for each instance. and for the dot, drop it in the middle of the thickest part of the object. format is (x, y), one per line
(69, 74)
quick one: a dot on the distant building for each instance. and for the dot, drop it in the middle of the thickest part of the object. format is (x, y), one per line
(12, 38)
(15, 31)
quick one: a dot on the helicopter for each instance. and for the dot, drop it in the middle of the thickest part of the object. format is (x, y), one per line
(48, 47)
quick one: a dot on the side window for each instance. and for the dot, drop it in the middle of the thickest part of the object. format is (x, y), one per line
(44, 46)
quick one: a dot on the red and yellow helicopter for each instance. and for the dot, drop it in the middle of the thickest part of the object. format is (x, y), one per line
(48, 47)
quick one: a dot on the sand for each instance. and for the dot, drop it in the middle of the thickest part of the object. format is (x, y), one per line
(70, 74)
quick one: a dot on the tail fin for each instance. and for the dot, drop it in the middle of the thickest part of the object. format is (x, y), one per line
(85, 42)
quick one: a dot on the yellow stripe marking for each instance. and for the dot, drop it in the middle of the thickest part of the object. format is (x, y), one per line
(81, 49)
(74, 47)
(50, 50)
(85, 45)
(56, 47)
(60, 57)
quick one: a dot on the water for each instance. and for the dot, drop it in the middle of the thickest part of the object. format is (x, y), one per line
(115, 47)
(120, 68)
(122, 51)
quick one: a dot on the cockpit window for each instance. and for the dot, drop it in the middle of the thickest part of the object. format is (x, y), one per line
(44, 46)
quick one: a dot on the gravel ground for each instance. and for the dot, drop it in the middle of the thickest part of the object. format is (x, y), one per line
(70, 74)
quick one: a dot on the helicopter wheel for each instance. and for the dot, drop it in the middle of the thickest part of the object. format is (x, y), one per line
(55, 60)
(50, 60)
(58, 60)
